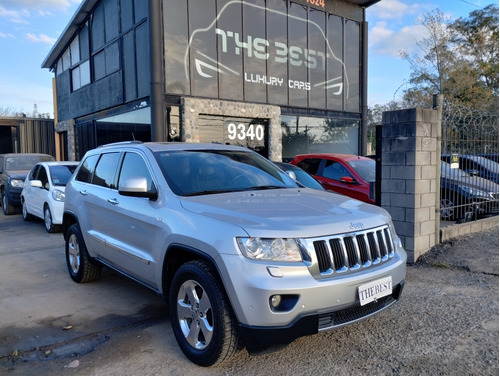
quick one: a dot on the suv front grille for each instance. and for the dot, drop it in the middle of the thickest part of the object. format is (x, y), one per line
(352, 251)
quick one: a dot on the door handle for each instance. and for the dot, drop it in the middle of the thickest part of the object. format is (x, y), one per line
(83, 192)
(113, 201)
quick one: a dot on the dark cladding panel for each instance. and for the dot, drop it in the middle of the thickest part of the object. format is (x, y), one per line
(142, 58)
(277, 63)
(97, 28)
(129, 71)
(298, 83)
(352, 63)
(111, 17)
(255, 62)
(203, 48)
(127, 14)
(335, 82)
(315, 58)
(175, 25)
(141, 10)
(232, 47)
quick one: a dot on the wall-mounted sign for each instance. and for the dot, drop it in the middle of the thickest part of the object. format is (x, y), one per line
(275, 52)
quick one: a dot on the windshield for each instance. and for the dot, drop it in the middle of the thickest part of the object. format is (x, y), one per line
(486, 163)
(197, 172)
(60, 174)
(25, 162)
(365, 168)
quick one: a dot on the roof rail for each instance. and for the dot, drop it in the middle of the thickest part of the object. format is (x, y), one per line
(121, 143)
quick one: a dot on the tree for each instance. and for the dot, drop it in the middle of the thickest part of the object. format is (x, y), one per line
(477, 38)
(458, 59)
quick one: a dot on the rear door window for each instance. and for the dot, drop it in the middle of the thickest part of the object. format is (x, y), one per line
(105, 171)
(310, 165)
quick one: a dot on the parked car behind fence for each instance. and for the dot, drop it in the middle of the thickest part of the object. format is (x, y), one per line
(13, 170)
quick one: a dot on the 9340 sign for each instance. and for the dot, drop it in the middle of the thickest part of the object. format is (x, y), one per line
(242, 132)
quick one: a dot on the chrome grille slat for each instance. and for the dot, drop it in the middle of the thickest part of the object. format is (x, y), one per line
(350, 252)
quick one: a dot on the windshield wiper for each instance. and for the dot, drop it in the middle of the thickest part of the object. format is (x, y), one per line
(265, 187)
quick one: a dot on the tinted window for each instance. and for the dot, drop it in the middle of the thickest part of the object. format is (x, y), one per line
(134, 166)
(42, 176)
(87, 170)
(335, 170)
(106, 170)
(32, 175)
(365, 169)
(60, 175)
(310, 165)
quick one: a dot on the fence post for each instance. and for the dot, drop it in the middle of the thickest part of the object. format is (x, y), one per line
(408, 176)
(438, 106)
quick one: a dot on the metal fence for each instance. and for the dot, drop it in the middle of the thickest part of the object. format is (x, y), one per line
(469, 167)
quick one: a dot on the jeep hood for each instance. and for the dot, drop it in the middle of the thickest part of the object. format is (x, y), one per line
(288, 212)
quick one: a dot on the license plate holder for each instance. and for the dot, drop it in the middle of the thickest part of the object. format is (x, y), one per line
(374, 290)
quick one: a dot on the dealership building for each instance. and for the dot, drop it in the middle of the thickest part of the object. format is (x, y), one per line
(280, 77)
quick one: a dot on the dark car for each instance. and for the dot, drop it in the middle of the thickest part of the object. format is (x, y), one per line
(350, 175)
(13, 171)
(462, 193)
(475, 165)
(300, 176)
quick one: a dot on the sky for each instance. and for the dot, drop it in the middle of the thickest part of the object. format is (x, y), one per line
(29, 29)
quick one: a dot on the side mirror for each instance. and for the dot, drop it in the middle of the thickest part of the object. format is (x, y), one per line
(347, 180)
(36, 183)
(136, 186)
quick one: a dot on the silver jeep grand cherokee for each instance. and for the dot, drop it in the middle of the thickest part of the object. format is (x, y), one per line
(244, 256)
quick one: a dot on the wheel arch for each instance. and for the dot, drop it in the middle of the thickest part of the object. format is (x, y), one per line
(69, 218)
(177, 255)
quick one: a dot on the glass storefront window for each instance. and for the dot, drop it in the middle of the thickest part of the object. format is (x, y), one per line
(305, 135)
(133, 125)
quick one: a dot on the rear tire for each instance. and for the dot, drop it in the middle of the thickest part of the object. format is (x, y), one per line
(81, 267)
(202, 320)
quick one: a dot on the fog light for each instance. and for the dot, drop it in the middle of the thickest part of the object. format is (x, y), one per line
(275, 301)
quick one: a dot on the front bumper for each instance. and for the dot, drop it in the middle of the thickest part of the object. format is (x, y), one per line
(14, 195)
(265, 339)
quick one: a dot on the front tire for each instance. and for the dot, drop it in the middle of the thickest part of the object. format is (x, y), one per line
(26, 216)
(202, 320)
(7, 208)
(81, 267)
(47, 218)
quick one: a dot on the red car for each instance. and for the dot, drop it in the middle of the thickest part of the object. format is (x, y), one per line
(350, 175)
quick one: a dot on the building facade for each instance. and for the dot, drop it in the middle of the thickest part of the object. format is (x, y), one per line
(281, 77)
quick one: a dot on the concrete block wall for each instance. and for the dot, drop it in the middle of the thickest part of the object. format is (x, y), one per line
(409, 185)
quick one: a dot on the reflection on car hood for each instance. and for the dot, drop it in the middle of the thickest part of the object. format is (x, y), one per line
(288, 212)
(18, 174)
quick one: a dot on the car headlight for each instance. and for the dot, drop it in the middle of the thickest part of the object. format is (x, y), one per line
(474, 192)
(17, 183)
(266, 249)
(58, 195)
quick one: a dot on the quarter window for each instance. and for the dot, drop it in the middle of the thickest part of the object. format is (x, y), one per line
(87, 169)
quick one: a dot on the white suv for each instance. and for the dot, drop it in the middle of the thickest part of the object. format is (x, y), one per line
(244, 256)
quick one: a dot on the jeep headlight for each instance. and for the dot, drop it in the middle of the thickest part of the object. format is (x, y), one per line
(17, 183)
(266, 249)
(58, 195)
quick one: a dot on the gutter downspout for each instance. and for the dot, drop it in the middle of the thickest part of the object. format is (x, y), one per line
(364, 86)
(156, 67)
